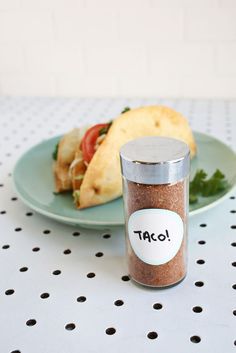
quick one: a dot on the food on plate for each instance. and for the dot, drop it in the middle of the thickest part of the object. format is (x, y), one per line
(93, 166)
(64, 155)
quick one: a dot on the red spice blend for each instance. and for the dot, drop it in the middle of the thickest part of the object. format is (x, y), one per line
(170, 197)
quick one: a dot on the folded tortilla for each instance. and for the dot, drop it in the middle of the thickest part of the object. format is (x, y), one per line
(102, 181)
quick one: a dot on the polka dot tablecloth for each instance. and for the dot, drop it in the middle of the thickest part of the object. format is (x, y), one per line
(66, 289)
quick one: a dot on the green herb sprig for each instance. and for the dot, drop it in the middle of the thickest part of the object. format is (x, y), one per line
(55, 152)
(104, 130)
(201, 186)
(126, 109)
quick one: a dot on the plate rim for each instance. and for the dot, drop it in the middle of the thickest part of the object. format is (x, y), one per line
(77, 221)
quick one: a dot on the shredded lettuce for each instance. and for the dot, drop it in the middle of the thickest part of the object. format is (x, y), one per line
(76, 195)
(79, 177)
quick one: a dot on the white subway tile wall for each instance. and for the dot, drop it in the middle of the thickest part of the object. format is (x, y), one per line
(174, 48)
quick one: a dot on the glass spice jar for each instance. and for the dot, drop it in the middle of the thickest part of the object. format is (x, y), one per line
(155, 191)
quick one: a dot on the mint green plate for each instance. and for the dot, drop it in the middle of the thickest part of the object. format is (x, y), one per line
(33, 179)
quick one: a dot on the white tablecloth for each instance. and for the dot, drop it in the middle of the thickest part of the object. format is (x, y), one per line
(43, 311)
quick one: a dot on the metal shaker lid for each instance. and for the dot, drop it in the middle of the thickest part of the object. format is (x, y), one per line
(155, 160)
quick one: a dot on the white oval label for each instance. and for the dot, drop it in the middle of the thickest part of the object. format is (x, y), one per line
(155, 234)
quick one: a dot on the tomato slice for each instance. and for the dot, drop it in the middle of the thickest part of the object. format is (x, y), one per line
(89, 141)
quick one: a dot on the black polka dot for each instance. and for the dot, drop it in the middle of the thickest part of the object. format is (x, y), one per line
(67, 251)
(235, 342)
(195, 339)
(197, 309)
(46, 231)
(234, 312)
(233, 244)
(76, 234)
(36, 249)
(18, 229)
(31, 322)
(99, 254)
(14, 199)
(125, 278)
(81, 299)
(1, 185)
(232, 197)
(3, 212)
(201, 242)
(28, 214)
(233, 227)
(6, 246)
(91, 275)
(9, 291)
(16, 351)
(234, 286)
(110, 331)
(233, 211)
(152, 335)
(45, 295)
(56, 272)
(199, 284)
(106, 236)
(234, 264)
(157, 306)
(200, 262)
(203, 225)
(119, 302)
(70, 326)
(23, 269)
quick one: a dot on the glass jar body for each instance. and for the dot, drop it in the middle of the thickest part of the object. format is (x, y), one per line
(156, 223)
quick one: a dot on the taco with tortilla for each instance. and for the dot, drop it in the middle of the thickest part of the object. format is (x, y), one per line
(93, 169)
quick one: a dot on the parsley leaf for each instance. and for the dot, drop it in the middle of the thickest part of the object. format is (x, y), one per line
(55, 152)
(102, 131)
(197, 183)
(201, 186)
(193, 198)
(126, 109)
(215, 184)
(105, 129)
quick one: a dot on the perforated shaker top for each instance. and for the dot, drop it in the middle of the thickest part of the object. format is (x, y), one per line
(155, 160)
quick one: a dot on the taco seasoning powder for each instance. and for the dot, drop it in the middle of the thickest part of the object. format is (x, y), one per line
(155, 190)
